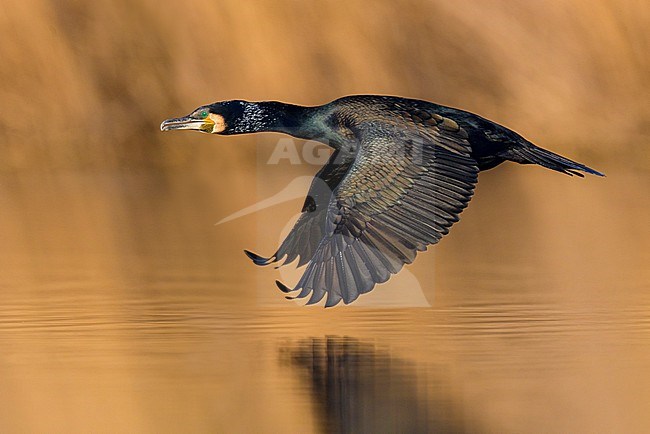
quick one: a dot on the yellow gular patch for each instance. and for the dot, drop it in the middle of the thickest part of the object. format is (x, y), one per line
(219, 123)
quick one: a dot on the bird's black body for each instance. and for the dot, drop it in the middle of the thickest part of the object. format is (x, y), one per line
(401, 172)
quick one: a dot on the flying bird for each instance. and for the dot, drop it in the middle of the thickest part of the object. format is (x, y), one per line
(401, 172)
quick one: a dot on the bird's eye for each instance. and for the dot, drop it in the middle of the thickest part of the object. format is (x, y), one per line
(200, 114)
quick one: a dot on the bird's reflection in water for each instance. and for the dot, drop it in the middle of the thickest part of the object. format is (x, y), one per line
(359, 389)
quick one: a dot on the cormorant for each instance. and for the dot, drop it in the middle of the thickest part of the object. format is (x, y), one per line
(401, 172)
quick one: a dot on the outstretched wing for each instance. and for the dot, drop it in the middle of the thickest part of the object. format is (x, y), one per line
(309, 229)
(403, 192)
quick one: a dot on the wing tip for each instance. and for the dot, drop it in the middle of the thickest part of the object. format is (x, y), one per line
(284, 288)
(330, 302)
(259, 260)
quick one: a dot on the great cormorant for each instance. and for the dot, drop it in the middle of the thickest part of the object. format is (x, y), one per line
(401, 172)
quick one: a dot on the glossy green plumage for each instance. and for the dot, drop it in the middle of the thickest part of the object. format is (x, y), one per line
(402, 172)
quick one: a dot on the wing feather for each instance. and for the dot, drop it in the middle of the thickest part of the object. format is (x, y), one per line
(309, 229)
(387, 207)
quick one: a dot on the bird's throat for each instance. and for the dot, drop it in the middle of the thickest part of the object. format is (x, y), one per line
(272, 116)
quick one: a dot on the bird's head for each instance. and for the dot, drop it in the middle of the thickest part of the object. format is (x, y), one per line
(227, 117)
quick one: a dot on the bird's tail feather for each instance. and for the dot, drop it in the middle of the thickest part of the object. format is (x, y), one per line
(531, 154)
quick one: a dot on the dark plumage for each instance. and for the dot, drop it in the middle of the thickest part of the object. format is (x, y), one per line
(401, 172)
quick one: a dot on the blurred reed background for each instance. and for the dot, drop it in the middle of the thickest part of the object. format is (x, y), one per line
(86, 84)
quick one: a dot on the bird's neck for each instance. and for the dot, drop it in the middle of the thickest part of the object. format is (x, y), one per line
(273, 116)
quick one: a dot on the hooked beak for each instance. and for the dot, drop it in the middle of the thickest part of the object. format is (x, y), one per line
(188, 123)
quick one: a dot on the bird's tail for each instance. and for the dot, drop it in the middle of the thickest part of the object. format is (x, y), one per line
(531, 154)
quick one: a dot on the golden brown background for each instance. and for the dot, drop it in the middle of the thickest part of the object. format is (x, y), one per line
(123, 308)
(87, 83)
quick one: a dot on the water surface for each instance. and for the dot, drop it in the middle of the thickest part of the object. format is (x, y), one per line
(123, 308)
